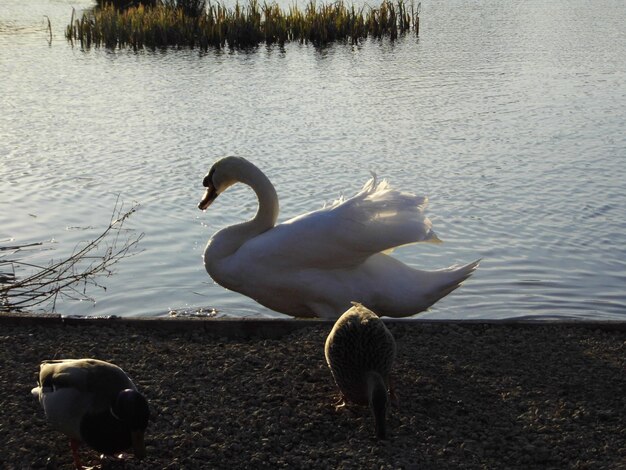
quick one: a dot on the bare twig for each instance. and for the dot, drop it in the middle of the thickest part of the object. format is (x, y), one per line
(49, 30)
(70, 277)
(19, 247)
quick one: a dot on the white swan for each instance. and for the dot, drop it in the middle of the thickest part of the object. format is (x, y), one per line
(318, 263)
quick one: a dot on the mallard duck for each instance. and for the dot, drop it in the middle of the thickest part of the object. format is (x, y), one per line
(94, 402)
(314, 265)
(360, 352)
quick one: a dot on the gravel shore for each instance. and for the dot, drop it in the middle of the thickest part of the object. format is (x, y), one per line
(470, 396)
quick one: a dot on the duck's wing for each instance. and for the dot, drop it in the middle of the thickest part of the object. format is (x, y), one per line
(348, 231)
(98, 379)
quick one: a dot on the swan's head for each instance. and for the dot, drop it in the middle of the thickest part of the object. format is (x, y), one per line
(219, 178)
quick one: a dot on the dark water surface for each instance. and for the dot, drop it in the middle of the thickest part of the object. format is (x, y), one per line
(508, 115)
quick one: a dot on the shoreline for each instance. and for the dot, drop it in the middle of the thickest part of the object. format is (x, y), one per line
(249, 328)
(471, 394)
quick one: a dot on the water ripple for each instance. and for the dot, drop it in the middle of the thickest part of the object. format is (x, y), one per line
(517, 139)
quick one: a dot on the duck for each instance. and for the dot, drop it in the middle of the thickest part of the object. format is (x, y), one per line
(360, 352)
(316, 264)
(93, 402)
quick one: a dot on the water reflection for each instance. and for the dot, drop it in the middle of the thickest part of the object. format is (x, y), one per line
(508, 116)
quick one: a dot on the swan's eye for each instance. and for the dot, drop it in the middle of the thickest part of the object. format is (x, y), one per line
(208, 179)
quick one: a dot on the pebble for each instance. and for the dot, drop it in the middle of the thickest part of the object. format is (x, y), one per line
(470, 397)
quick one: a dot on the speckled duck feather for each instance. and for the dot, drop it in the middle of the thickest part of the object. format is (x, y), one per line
(359, 343)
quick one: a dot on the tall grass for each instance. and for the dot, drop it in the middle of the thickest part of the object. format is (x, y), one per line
(213, 25)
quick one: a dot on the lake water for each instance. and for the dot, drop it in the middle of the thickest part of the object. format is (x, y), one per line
(509, 115)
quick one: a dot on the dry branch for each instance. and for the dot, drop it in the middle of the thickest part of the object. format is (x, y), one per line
(70, 277)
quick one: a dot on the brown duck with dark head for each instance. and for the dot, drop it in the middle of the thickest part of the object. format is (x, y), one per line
(360, 352)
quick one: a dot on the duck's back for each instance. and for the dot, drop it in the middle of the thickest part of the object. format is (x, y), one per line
(358, 343)
(71, 388)
(87, 376)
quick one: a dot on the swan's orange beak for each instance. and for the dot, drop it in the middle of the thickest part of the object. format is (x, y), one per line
(209, 196)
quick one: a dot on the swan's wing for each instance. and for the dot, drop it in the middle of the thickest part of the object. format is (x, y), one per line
(347, 231)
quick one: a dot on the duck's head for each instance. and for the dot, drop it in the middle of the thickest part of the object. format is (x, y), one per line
(132, 408)
(223, 174)
(378, 402)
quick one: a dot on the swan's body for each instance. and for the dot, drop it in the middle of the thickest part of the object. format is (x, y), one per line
(316, 264)
(360, 352)
(94, 402)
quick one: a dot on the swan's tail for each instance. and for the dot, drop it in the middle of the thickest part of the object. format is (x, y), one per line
(438, 284)
(416, 290)
(460, 274)
(449, 279)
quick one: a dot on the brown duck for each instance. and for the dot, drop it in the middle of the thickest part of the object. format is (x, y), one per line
(360, 352)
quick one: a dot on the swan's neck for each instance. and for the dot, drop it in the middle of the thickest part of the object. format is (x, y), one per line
(227, 241)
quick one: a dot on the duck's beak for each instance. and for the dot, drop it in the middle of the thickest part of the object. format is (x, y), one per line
(209, 196)
(139, 446)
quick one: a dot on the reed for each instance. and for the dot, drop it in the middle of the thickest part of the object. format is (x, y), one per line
(196, 24)
(125, 4)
